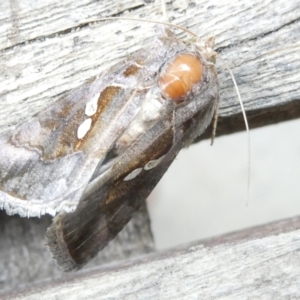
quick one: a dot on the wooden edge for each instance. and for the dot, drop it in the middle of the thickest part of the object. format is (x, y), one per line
(256, 118)
(245, 263)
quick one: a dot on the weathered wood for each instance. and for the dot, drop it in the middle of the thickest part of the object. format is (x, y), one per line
(44, 54)
(260, 263)
(24, 257)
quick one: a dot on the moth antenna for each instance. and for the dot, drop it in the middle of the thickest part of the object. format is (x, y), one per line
(139, 20)
(246, 125)
(173, 125)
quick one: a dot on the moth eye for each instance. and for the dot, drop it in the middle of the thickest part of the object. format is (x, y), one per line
(180, 76)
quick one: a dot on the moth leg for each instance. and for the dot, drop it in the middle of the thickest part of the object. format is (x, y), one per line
(215, 122)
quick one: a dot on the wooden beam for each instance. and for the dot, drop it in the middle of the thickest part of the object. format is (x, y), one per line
(45, 53)
(259, 263)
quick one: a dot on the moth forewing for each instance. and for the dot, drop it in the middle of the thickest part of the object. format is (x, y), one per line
(46, 163)
(176, 93)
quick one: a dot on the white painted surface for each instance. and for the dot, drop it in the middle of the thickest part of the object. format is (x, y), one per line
(205, 191)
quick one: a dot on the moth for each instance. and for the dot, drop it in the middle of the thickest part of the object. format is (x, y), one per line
(95, 155)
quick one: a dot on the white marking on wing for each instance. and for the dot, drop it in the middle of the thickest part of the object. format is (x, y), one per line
(92, 105)
(133, 174)
(123, 86)
(153, 163)
(84, 128)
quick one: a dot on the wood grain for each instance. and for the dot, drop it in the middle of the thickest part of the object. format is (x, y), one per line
(47, 49)
(45, 53)
(260, 263)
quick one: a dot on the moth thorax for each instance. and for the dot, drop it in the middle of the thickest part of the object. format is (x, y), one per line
(179, 77)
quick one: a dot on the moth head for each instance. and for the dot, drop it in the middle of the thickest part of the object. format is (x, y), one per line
(206, 47)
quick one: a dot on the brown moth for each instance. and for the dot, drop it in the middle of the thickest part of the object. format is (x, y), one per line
(95, 155)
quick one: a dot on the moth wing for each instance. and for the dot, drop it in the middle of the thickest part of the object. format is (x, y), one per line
(75, 238)
(47, 162)
(111, 199)
(39, 162)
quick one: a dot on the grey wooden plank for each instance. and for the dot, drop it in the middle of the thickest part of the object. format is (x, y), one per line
(260, 263)
(28, 21)
(257, 39)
